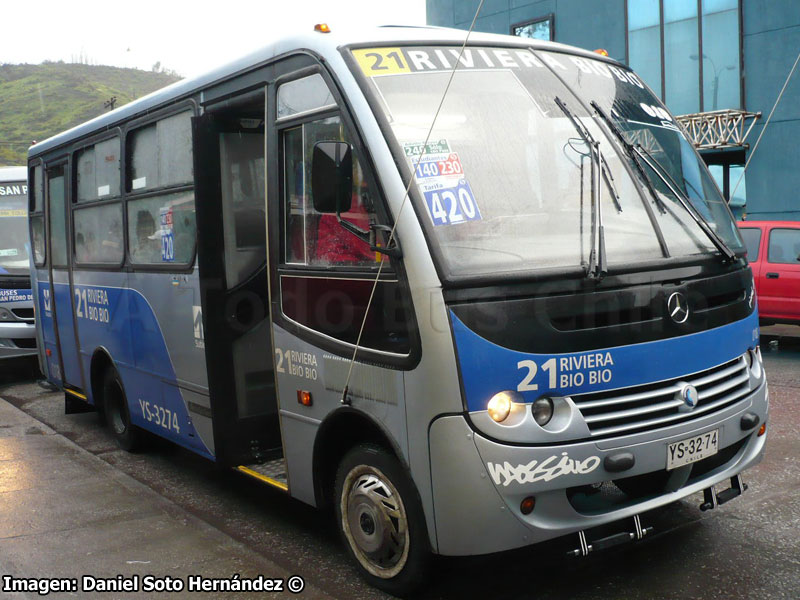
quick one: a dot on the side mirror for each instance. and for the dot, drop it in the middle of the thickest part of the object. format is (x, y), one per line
(332, 177)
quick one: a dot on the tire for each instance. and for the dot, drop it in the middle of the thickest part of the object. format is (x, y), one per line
(115, 406)
(380, 519)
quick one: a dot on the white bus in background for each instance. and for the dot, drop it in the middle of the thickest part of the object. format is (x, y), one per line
(17, 330)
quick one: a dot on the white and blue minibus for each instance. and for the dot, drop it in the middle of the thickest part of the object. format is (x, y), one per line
(472, 296)
(17, 331)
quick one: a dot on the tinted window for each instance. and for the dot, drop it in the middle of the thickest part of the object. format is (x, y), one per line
(98, 171)
(161, 229)
(58, 236)
(98, 234)
(752, 241)
(784, 246)
(304, 95)
(37, 190)
(37, 234)
(243, 194)
(312, 238)
(161, 154)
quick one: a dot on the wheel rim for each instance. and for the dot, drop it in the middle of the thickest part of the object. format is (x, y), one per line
(374, 521)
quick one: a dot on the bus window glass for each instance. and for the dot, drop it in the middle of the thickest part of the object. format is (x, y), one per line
(98, 171)
(304, 95)
(37, 235)
(161, 154)
(498, 197)
(784, 246)
(752, 240)
(13, 228)
(161, 229)
(58, 235)
(643, 120)
(243, 195)
(98, 234)
(315, 239)
(38, 189)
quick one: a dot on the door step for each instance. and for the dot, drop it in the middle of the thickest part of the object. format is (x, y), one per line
(272, 472)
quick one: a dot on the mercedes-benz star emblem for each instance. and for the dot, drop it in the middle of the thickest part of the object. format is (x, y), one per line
(689, 395)
(678, 307)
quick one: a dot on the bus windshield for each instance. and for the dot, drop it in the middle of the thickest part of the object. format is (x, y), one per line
(13, 229)
(507, 178)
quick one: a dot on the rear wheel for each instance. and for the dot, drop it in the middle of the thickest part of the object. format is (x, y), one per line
(381, 520)
(115, 406)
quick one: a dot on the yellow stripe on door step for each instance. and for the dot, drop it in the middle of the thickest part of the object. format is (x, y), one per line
(76, 394)
(264, 478)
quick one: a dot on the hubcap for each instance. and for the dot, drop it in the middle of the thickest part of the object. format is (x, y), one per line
(374, 521)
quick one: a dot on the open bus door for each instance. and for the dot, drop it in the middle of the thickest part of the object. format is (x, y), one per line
(60, 336)
(232, 257)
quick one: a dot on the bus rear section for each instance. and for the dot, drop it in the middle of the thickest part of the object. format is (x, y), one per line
(17, 330)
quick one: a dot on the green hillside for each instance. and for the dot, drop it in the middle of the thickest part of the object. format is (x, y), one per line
(38, 101)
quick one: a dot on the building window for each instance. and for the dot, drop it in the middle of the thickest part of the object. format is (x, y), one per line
(537, 29)
(727, 168)
(688, 51)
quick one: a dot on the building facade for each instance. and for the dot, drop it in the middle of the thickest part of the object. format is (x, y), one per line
(718, 63)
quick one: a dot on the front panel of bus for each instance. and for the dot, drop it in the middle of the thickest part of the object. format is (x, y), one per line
(601, 312)
(17, 331)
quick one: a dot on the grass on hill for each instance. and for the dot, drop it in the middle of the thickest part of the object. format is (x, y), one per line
(38, 101)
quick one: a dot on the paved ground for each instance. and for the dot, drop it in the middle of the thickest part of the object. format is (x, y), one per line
(745, 549)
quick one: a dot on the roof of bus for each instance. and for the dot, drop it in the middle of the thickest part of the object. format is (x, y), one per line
(322, 44)
(13, 174)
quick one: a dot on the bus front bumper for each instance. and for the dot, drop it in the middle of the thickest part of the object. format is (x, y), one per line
(479, 484)
(17, 339)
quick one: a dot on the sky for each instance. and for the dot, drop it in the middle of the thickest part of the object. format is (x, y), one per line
(186, 37)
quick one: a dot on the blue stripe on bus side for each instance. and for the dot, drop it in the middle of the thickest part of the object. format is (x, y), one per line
(123, 322)
(487, 368)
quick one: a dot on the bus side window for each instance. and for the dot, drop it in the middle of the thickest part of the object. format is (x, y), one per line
(161, 228)
(331, 281)
(98, 226)
(315, 239)
(37, 216)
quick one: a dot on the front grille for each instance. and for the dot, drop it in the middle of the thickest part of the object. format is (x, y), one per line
(23, 313)
(24, 342)
(656, 405)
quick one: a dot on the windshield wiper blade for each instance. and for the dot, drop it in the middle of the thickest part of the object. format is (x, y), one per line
(598, 264)
(631, 151)
(639, 152)
(598, 261)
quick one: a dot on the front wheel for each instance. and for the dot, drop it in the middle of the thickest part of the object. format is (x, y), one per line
(381, 520)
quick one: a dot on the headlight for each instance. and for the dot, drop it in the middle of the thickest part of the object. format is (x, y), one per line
(5, 315)
(499, 406)
(542, 410)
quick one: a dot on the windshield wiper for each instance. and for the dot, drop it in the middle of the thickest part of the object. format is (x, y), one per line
(640, 153)
(598, 262)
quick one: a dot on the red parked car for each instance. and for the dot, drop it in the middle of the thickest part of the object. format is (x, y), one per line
(773, 249)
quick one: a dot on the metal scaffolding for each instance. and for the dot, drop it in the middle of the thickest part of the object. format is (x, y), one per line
(719, 129)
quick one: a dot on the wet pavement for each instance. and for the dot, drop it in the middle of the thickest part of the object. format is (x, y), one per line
(69, 516)
(85, 507)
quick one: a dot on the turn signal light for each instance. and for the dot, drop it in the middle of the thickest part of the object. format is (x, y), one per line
(602, 51)
(762, 430)
(304, 398)
(322, 28)
(526, 506)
